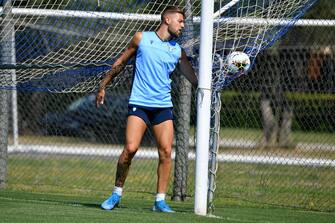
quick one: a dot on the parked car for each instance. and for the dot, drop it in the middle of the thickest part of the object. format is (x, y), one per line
(81, 118)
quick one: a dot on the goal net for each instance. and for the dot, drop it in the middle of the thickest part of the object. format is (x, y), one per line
(66, 46)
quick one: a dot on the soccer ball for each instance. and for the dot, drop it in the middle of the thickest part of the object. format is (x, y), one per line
(237, 63)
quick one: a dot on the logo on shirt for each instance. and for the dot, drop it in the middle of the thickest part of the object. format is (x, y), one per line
(134, 109)
(171, 48)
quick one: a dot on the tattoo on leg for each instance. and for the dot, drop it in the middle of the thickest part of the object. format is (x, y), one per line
(121, 173)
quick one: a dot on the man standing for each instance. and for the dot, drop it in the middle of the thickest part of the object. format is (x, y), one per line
(157, 56)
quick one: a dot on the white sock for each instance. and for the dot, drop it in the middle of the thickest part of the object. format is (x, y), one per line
(160, 197)
(117, 190)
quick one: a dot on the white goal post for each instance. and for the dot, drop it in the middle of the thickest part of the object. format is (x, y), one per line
(203, 107)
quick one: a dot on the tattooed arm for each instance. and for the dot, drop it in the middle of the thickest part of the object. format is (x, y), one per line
(117, 67)
(187, 70)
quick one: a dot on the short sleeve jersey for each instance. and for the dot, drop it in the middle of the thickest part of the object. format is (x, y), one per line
(155, 61)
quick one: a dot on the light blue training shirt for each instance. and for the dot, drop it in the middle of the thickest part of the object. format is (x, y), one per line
(155, 61)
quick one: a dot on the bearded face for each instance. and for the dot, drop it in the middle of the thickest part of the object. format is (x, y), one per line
(175, 22)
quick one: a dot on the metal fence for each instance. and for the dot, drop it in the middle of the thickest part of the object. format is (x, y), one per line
(277, 126)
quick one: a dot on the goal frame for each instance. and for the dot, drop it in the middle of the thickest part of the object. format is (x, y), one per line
(205, 68)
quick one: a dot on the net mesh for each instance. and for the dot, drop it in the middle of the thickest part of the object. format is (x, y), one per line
(67, 146)
(250, 26)
(67, 46)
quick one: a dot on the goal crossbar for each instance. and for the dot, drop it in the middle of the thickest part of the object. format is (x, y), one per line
(153, 17)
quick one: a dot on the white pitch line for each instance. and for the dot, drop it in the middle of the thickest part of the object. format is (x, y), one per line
(315, 146)
(251, 144)
(152, 153)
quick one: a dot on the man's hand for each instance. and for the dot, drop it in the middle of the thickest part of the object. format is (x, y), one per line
(99, 99)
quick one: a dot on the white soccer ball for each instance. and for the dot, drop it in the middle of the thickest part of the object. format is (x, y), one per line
(238, 63)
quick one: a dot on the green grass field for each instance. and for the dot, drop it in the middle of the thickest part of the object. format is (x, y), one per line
(28, 207)
(297, 136)
(55, 188)
(44, 188)
(231, 133)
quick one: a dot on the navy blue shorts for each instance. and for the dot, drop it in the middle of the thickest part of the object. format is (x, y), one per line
(150, 115)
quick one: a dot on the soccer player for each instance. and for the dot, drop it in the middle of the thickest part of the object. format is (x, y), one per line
(157, 55)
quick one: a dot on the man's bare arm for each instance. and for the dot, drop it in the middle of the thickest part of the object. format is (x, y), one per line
(118, 66)
(187, 70)
(120, 63)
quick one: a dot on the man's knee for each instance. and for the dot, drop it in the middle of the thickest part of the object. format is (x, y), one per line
(165, 153)
(128, 153)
